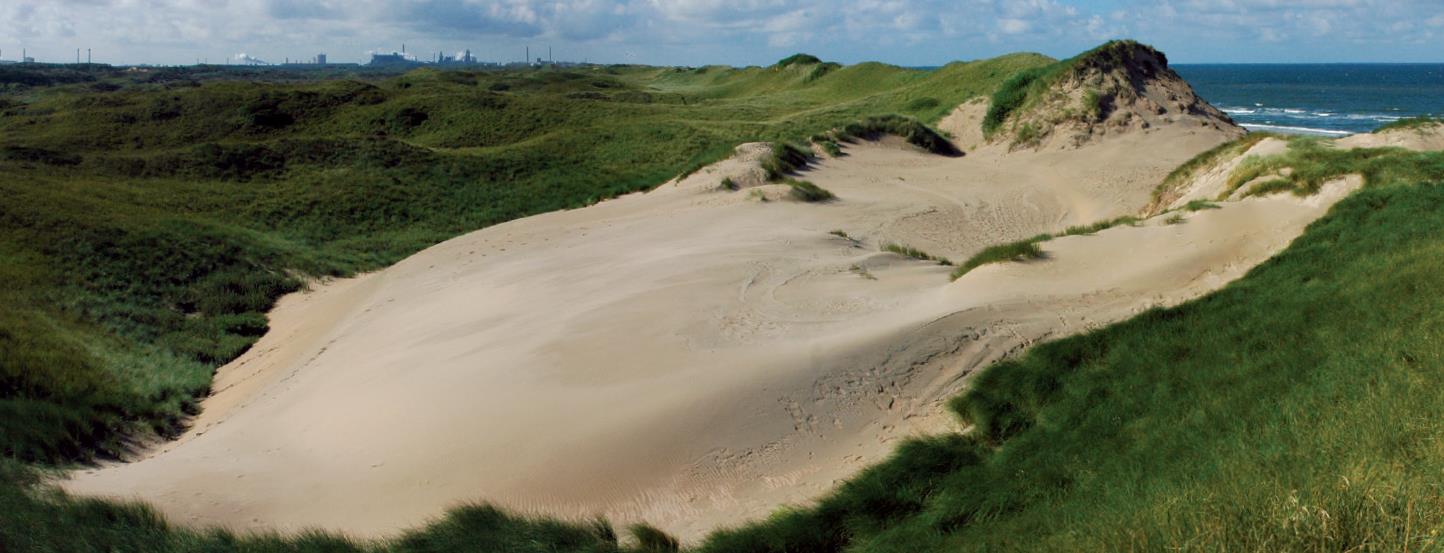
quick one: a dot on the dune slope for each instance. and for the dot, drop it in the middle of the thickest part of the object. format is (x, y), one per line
(689, 357)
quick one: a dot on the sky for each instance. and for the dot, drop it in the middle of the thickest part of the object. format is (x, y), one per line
(733, 32)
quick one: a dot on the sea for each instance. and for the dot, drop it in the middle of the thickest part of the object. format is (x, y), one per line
(1319, 99)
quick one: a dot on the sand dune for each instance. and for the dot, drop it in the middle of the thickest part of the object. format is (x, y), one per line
(688, 356)
(1423, 138)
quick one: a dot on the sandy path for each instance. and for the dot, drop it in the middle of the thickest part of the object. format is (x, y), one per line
(689, 357)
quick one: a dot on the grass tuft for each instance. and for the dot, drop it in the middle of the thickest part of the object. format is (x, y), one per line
(651, 540)
(807, 192)
(785, 159)
(1199, 205)
(909, 251)
(1021, 250)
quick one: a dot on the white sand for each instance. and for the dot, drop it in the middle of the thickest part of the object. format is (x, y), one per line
(689, 357)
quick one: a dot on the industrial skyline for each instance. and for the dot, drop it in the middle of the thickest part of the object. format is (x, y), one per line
(463, 56)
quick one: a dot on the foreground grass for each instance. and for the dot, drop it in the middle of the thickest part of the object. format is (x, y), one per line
(54, 523)
(1297, 409)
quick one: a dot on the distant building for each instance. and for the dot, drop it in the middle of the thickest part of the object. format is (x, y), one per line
(394, 58)
(320, 59)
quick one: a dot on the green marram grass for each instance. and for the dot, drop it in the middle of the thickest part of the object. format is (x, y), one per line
(806, 191)
(1028, 248)
(909, 251)
(1309, 163)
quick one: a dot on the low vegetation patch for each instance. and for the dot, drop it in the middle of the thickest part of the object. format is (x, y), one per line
(1023, 250)
(1422, 122)
(828, 145)
(1199, 205)
(909, 251)
(785, 159)
(1309, 163)
(912, 130)
(1098, 226)
(807, 192)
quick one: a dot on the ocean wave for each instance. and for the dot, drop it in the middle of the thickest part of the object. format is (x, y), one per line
(1303, 114)
(1287, 129)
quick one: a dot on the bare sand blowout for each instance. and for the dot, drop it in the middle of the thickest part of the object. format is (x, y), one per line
(691, 357)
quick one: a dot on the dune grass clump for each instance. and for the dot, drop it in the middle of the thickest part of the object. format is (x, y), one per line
(909, 251)
(651, 540)
(1024, 250)
(728, 184)
(830, 147)
(912, 130)
(785, 159)
(1097, 227)
(1200, 205)
(1021, 250)
(806, 191)
(1011, 96)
